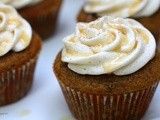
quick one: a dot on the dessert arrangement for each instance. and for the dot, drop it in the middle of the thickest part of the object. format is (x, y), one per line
(107, 69)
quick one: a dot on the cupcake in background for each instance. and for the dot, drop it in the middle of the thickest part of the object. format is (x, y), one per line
(145, 11)
(41, 14)
(108, 69)
(19, 49)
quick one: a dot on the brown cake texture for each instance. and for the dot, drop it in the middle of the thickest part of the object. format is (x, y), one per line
(42, 16)
(152, 23)
(108, 97)
(17, 70)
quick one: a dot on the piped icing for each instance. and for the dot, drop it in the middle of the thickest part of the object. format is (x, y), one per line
(108, 45)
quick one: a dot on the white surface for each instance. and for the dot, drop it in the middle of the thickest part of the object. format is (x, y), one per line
(45, 100)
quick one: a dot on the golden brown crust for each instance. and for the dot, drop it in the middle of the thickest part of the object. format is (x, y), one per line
(42, 16)
(109, 84)
(152, 23)
(16, 59)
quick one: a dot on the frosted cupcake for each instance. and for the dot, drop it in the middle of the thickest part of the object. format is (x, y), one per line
(108, 69)
(41, 14)
(19, 49)
(145, 11)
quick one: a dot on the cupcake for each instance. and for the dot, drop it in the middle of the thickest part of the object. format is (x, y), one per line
(41, 14)
(145, 11)
(108, 69)
(19, 49)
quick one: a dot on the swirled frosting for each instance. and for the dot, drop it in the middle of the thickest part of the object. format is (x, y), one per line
(122, 8)
(108, 45)
(15, 32)
(20, 3)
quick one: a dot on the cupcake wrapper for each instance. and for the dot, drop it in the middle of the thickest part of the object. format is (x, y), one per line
(127, 106)
(16, 82)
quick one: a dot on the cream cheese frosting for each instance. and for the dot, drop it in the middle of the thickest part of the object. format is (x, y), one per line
(108, 45)
(122, 8)
(15, 32)
(20, 3)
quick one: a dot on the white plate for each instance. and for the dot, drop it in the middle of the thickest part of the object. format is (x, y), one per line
(45, 100)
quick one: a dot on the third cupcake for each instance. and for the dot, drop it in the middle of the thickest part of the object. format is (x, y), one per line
(145, 11)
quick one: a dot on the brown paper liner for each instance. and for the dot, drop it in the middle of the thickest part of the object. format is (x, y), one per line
(127, 106)
(16, 82)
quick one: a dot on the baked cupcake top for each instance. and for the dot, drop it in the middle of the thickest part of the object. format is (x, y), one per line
(108, 45)
(20, 3)
(15, 32)
(122, 8)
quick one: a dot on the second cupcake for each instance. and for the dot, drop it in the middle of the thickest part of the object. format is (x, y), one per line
(19, 50)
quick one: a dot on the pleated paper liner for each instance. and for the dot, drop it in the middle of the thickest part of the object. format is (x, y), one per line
(127, 106)
(15, 83)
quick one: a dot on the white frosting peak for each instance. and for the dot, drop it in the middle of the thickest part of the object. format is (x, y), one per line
(122, 8)
(15, 32)
(109, 45)
(20, 3)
